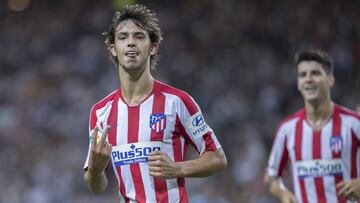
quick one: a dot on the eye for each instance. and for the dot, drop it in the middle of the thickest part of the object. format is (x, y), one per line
(122, 37)
(301, 74)
(140, 36)
(317, 73)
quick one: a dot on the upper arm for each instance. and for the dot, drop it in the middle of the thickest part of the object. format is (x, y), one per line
(92, 124)
(195, 127)
(279, 154)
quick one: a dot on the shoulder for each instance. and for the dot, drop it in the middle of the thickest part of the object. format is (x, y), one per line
(288, 121)
(106, 100)
(349, 117)
(347, 112)
(180, 96)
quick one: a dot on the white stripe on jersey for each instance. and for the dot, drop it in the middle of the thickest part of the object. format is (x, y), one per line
(307, 154)
(144, 136)
(347, 152)
(171, 184)
(122, 129)
(326, 153)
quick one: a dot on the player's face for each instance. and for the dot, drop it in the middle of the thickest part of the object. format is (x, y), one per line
(132, 46)
(313, 82)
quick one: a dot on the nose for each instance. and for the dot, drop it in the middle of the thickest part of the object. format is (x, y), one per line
(131, 42)
(308, 78)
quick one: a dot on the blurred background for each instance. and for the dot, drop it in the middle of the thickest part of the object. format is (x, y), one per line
(235, 57)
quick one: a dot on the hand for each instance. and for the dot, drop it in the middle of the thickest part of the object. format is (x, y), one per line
(288, 197)
(99, 152)
(350, 189)
(160, 165)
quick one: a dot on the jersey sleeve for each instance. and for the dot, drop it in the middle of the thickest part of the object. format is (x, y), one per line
(279, 154)
(195, 128)
(357, 127)
(92, 124)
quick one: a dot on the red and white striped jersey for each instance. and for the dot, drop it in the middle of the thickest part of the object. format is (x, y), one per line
(319, 159)
(167, 120)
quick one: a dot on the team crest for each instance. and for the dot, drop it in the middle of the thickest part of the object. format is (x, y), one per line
(157, 122)
(336, 144)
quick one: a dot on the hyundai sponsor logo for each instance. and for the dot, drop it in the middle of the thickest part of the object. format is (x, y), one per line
(198, 120)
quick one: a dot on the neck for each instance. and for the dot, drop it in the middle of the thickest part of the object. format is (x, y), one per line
(135, 85)
(318, 113)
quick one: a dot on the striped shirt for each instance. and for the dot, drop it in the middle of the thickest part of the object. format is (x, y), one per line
(319, 159)
(167, 120)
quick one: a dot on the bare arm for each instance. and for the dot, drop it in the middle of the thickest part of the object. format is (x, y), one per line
(279, 190)
(100, 151)
(160, 165)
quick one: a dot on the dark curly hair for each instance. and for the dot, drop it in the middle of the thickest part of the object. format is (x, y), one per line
(143, 18)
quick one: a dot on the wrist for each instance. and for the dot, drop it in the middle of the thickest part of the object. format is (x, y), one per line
(180, 168)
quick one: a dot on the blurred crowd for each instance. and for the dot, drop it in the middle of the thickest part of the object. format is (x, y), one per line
(235, 57)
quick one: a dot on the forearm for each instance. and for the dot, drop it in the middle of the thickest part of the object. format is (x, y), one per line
(96, 183)
(206, 165)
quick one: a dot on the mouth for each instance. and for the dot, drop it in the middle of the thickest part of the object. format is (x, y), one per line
(310, 89)
(131, 54)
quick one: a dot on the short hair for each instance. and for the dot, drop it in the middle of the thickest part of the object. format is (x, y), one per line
(144, 19)
(317, 55)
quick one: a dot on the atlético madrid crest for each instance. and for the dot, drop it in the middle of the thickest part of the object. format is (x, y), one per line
(157, 122)
(336, 143)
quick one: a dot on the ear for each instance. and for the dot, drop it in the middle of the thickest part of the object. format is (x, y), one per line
(154, 49)
(112, 49)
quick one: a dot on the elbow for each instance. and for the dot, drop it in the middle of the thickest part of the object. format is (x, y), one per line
(222, 163)
(221, 160)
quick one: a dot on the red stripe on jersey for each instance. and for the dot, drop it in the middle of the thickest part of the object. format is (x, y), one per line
(178, 156)
(133, 136)
(284, 158)
(346, 111)
(209, 142)
(121, 185)
(337, 132)
(298, 143)
(182, 192)
(185, 97)
(112, 121)
(181, 129)
(93, 118)
(114, 96)
(159, 184)
(319, 184)
(298, 140)
(354, 148)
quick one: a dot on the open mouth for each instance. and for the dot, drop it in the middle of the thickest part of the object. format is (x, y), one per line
(310, 89)
(131, 54)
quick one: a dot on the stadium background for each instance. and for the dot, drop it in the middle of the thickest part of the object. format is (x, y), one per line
(233, 56)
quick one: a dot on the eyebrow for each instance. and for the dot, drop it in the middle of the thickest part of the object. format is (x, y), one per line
(134, 33)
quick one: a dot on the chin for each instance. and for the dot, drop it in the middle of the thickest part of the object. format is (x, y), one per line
(131, 66)
(312, 99)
